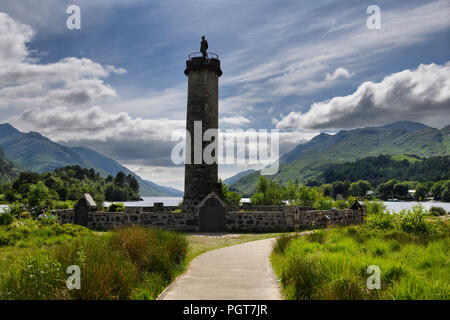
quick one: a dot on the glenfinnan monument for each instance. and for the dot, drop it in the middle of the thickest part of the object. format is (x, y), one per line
(201, 178)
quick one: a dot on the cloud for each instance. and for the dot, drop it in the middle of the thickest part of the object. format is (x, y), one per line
(338, 73)
(125, 138)
(24, 83)
(235, 121)
(13, 37)
(297, 69)
(422, 95)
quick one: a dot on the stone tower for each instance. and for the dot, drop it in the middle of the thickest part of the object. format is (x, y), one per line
(200, 178)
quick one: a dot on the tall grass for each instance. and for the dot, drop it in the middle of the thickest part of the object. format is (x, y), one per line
(411, 251)
(127, 263)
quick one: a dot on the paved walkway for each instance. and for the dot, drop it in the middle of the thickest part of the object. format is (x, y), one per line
(239, 272)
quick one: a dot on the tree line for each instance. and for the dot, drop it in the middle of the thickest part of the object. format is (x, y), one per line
(65, 185)
(380, 169)
(343, 193)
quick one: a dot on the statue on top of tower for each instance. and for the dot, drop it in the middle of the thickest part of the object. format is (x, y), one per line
(204, 47)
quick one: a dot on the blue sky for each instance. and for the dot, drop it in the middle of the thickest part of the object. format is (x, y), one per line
(285, 64)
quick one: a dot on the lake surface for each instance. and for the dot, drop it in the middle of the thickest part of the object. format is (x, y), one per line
(400, 205)
(174, 201)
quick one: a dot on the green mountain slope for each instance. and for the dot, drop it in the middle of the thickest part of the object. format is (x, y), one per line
(231, 180)
(305, 162)
(7, 171)
(34, 152)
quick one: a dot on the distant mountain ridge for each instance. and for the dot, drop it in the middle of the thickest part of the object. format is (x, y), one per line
(34, 152)
(306, 161)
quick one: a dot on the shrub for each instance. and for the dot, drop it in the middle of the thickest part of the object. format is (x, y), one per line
(385, 220)
(116, 207)
(414, 222)
(437, 211)
(317, 236)
(6, 218)
(37, 277)
(323, 204)
(152, 251)
(282, 242)
(303, 276)
(340, 204)
(375, 207)
(15, 209)
(68, 204)
(105, 273)
(348, 288)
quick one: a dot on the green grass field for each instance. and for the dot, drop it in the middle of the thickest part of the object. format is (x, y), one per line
(332, 264)
(129, 263)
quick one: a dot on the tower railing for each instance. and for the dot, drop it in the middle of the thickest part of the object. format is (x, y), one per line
(211, 55)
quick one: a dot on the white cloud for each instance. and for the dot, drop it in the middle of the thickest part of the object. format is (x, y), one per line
(338, 73)
(298, 68)
(421, 95)
(235, 121)
(24, 83)
(95, 124)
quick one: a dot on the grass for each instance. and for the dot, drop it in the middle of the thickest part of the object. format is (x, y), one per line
(128, 263)
(411, 251)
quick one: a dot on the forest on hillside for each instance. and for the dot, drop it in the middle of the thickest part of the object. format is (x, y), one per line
(383, 168)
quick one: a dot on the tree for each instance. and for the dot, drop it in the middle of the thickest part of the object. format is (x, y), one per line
(341, 187)
(119, 180)
(38, 197)
(231, 198)
(359, 189)
(134, 185)
(291, 192)
(268, 192)
(306, 196)
(327, 189)
(421, 192)
(386, 190)
(401, 190)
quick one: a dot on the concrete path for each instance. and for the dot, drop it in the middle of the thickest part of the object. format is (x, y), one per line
(239, 272)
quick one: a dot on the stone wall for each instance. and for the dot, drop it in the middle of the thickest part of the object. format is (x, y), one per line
(253, 218)
(290, 218)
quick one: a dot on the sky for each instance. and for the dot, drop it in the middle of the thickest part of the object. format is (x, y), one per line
(303, 67)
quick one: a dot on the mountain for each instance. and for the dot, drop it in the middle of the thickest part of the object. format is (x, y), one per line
(305, 162)
(7, 171)
(34, 152)
(109, 166)
(231, 180)
(171, 192)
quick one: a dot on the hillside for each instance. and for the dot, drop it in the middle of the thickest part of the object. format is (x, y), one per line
(7, 171)
(36, 153)
(380, 169)
(231, 180)
(305, 162)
